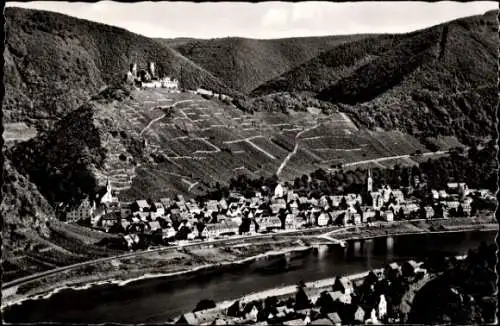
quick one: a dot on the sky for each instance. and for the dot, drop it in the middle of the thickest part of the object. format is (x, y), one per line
(264, 20)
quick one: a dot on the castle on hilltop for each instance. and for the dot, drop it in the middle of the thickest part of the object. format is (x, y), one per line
(148, 78)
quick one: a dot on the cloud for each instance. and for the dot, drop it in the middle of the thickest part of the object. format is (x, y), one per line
(275, 17)
(306, 11)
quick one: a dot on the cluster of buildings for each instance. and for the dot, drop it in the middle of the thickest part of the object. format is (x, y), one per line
(281, 208)
(347, 301)
(148, 78)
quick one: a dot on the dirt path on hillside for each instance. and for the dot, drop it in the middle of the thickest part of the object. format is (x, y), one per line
(295, 148)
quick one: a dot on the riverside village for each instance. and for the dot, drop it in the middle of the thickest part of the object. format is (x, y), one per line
(250, 164)
(277, 207)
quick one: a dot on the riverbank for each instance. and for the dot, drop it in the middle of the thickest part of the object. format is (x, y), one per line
(416, 227)
(182, 263)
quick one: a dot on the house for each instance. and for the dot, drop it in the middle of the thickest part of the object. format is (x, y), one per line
(377, 200)
(368, 215)
(187, 319)
(343, 285)
(212, 206)
(335, 319)
(131, 239)
(109, 220)
(279, 191)
(203, 91)
(341, 297)
(392, 271)
(252, 313)
(409, 208)
(125, 223)
(276, 207)
(126, 210)
(154, 225)
(429, 211)
(323, 201)
(443, 194)
(336, 200)
(388, 216)
(398, 195)
(223, 204)
(218, 229)
(323, 219)
(356, 218)
(169, 233)
(83, 211)
(359, 315)
(381, 307)
(435, 194)
(269, 222)
(157, 210)
(140, 205)
(169, 83)
(290, 221)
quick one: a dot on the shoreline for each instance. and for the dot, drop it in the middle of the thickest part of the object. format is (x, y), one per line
(286, 290)
(194, 271)
(484, 227)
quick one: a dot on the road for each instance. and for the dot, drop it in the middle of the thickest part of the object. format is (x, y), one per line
(387, 158)
(151, 123)
(31, 278)
(295, 148)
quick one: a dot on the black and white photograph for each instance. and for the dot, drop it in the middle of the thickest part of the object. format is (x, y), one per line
(250, 163)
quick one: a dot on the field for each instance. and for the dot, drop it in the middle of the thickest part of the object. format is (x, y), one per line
(192, 143)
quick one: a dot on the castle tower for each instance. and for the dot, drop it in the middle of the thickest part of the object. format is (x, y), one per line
(369, 181)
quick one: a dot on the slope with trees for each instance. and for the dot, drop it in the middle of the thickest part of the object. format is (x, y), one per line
(54, 63)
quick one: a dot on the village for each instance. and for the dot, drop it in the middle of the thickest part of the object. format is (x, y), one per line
(169, 221)
(375, 297)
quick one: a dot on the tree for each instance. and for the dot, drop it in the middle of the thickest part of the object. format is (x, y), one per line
(401, 214)
(325, 303)
(301, 299)
(343, 203)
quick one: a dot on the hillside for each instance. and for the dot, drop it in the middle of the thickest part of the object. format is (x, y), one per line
(54, 63)
(153, 143)
(437, 81)
(244, 63)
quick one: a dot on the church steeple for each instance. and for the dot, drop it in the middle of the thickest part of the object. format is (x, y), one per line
(369, 181)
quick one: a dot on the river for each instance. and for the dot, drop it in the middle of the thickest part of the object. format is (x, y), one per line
(158, 300)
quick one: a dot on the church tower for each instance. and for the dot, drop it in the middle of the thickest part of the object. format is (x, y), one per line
(369, 181)
(108, 196)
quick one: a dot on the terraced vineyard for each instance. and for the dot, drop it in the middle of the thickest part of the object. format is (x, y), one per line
(191, 143)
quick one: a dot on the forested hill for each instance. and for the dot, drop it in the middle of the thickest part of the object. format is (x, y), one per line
(441, 80)
(245, 63)
(54, 63)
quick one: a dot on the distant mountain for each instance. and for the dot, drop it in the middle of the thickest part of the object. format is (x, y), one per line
(441, 80)
(244, 63)
(53, 63)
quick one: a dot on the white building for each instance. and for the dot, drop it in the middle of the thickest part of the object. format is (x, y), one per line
(279, 191)
(169, 83)
(108, 196)
(203, 91)
(388, 216)
(82, 212)
(381, 307)
(157, 211)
